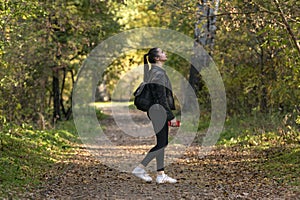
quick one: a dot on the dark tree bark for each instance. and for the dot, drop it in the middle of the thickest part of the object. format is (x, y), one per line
(263, 95)
(56, 95)
(62, 91)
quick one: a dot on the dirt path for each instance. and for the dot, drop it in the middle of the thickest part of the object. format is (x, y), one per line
(224, 173)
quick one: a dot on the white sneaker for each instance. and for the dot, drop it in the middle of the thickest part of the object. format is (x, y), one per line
(165, 179)
(141, 173)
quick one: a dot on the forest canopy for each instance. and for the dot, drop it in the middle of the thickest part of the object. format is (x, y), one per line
(43, 45)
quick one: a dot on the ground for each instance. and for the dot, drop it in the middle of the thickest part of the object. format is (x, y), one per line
(222, 173)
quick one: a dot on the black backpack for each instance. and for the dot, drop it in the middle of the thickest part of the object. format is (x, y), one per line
(143, 97)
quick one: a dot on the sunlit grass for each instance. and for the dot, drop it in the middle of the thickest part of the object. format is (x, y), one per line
(26, 154)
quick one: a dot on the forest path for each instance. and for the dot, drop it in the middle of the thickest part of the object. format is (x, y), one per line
(223, 173)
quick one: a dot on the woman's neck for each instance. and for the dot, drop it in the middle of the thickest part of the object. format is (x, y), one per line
(159, 64)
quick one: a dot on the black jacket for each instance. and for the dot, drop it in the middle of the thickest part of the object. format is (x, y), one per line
(161, 89)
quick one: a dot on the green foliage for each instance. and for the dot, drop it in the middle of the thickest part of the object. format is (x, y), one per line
(254, 51)
(26, 153)
(100, 115)
(41, 40)
(135, 14)
(256, 58)
(259, 64)
(261, 130)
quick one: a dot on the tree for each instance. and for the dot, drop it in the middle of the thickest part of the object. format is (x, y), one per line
(254, 50)
(259, 63)
(205, 30)
(44, 45)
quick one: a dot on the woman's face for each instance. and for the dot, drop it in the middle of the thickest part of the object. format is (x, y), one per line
(161, 56)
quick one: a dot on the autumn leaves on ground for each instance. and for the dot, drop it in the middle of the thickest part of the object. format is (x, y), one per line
(233, 172)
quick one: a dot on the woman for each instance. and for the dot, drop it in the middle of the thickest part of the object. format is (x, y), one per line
(160, 113)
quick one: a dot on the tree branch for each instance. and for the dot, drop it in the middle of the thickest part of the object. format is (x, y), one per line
(287, 26)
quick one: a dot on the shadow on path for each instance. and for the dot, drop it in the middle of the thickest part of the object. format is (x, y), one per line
(224, 173)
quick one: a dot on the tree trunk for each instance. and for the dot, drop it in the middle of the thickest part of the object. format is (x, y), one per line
(62, 91)
(263, 95)
(205, 30)
(56, 96)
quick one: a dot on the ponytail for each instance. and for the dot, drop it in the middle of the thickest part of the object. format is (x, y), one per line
(146, 68)
(151, 58)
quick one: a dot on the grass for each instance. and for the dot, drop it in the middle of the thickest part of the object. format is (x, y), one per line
(270, 136)
(263, 130)
(26, 154)
(283, 165)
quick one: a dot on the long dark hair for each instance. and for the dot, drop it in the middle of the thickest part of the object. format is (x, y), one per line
(151, 58)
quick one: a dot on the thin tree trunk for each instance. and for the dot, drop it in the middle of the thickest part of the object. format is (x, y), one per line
(56, 96)
(69, 111)
(263, 95)
(61, 92)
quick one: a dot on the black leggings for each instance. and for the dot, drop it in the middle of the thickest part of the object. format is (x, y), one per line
(161, 129)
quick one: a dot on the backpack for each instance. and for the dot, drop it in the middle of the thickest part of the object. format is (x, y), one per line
(143, 97)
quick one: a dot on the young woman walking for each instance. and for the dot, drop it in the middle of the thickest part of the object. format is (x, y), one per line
(160, 113)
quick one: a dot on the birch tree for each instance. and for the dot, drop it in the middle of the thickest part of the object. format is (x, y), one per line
(204, 34)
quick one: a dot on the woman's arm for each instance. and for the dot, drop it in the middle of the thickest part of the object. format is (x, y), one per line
(159, 95)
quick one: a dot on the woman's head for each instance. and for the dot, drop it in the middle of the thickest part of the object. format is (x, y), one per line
(152, 54)
(155, 56)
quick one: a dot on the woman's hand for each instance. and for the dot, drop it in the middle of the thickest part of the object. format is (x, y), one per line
(174, 122)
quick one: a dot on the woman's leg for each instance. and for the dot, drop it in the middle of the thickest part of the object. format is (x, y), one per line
(158, 151)
(160, 125)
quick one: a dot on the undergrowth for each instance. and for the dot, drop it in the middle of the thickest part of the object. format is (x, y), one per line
(27, 153)
(275, 137)
(259, 130)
